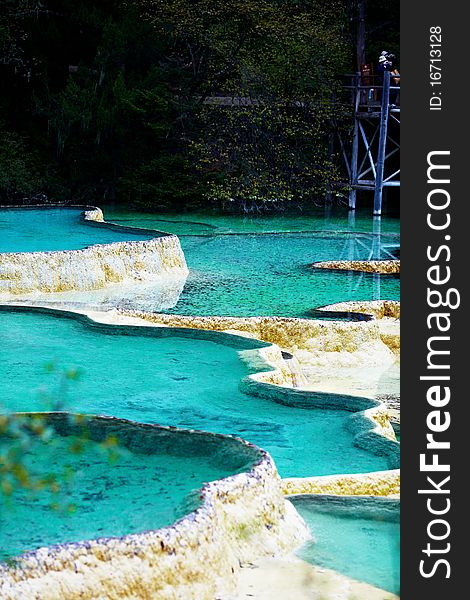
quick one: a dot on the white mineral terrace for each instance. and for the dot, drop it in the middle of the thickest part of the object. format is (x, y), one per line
(358, 358)
(92, 268)
(383, 267)
(246, 531)
(240, 542)
(242, 518)
(291, 578)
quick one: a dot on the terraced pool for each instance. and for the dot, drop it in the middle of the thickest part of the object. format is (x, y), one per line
(359, 537)
(337, 219)
(48, 229)
(256, 267)
(185, 378)
(161, 471)
(257, 275)
(233, 271)
(192, 379)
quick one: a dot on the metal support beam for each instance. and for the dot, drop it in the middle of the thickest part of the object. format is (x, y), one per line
(382, 144)
(368, 151)
(366, 155)
(355, 149)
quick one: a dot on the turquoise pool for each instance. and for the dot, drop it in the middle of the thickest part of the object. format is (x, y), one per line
(359, 537)
(189, 379)
(35, 230)
(161, 485)
(258, 275)
(336, 218)
(239, 267)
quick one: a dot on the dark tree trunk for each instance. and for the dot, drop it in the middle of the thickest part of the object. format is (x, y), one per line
(361, 34)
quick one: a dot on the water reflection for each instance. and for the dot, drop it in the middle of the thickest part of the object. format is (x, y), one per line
(159, 295)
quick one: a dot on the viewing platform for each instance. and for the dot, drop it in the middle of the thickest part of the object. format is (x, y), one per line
(372, 157)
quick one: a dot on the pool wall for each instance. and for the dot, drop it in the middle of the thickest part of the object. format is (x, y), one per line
(370, 422)
(241, 518)
(93, 267)
(307, 338)
(382, 267)
(386, 509)
(377, 309)
(378, 483)
(325, 342)
(94, 214)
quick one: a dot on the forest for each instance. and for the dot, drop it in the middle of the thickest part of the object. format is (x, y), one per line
(179, 104)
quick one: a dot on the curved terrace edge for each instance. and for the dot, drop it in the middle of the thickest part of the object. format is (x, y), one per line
(241, 517)
(94, 267)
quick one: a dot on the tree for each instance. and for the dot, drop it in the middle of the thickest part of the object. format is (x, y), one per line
(178, 103)
(255, 93)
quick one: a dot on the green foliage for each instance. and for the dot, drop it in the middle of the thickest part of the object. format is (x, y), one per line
(18, 177)
(21, 435)
(265, 157)
(258, 84)
(17, 434)
(120, 100)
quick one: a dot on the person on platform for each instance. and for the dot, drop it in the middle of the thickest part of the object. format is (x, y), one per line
(386, 63)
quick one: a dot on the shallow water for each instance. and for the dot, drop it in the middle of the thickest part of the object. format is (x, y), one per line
(156, 376)
(253, 272)
(320, 219)
(160, 376)
(356, 538)
(54, 229)
(256, 275)
(233, 271)
(91, 502)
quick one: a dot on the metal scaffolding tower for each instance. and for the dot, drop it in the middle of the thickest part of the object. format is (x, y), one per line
(376, 139)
